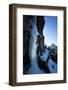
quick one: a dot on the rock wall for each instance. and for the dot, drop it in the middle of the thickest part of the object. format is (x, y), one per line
(33, 39)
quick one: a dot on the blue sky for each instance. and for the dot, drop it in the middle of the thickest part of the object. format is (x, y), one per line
(50, 30)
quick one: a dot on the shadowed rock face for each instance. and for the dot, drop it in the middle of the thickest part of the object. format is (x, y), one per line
(26, 37)
(40, 48)
(32, 35)
(28, 22)
(40, 24)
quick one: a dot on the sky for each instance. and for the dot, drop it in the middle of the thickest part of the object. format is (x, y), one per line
(50, 30)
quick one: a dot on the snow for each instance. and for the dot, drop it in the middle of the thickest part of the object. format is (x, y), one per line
(44, 55)
(52, 66)
(34, 69)
(52, 46)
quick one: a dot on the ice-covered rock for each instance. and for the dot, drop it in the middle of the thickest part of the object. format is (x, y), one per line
(34, 69)
(52, 66)
(53, 46)
(44, 55)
